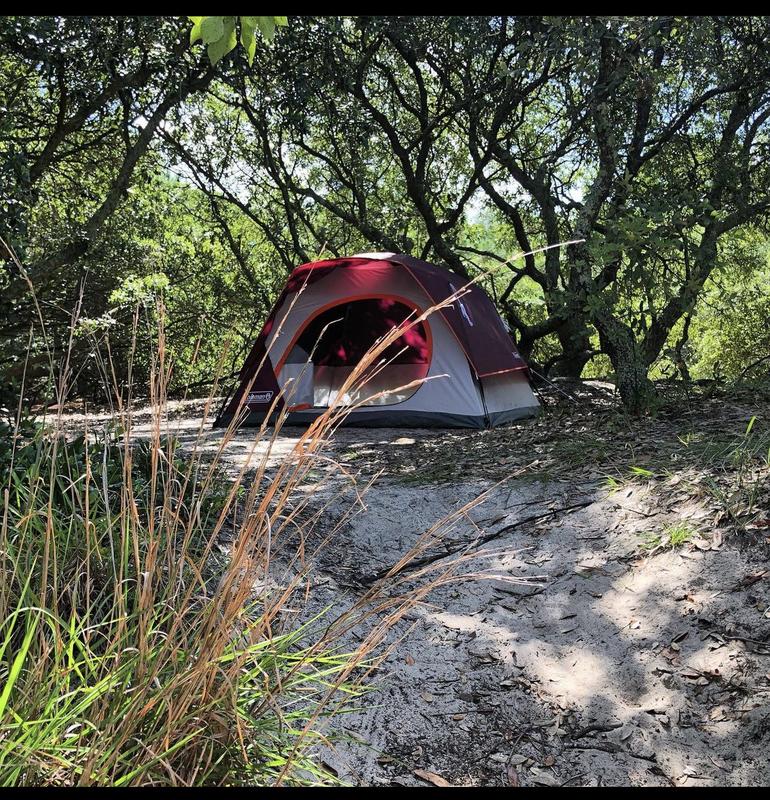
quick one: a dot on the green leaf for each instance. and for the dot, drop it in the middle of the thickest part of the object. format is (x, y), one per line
(267, 27)
(196, 32)
(18, 663)
(248, 40)
(213, 29)
(222, 46)
(219, 33)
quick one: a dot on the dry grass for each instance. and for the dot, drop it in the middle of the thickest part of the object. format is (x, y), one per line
(132, 651)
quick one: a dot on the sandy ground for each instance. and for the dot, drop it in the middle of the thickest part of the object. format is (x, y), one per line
(614, 664)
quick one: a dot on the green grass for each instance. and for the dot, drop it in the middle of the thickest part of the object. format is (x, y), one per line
(139, 645)
(580, 449)
(739, 472)
(650, 541)
(730, 452)
(678, 534)
(733, 470)
(670, 537)
(633, 474)
(118, 665)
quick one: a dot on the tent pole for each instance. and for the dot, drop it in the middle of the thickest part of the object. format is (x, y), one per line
(223, 407)
(551, 383)
(487, 420)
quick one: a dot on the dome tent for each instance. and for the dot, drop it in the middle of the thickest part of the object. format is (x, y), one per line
(331, 312)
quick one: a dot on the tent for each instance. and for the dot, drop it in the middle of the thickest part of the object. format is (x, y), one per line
(456, 368)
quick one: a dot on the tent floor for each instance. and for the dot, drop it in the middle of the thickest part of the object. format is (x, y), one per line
(397, 419)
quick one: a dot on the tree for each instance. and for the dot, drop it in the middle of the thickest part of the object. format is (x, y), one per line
(644, 137)
(84, 98)
(457, 139)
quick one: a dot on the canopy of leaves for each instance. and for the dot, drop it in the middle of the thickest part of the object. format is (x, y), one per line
(126, 155)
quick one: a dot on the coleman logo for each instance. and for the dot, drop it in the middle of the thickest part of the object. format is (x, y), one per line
(259, 397)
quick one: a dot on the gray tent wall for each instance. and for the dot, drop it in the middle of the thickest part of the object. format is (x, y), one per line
(451, 396)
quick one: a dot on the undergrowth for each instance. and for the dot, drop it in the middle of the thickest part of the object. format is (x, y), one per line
(148, 602)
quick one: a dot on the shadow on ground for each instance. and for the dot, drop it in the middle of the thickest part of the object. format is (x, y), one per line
(621, 660)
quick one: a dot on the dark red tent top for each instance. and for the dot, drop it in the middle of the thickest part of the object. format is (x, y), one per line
(473, 318)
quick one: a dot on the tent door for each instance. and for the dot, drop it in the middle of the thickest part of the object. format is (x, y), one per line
(330, 344)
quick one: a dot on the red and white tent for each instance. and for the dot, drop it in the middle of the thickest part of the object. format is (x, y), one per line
(331, 312)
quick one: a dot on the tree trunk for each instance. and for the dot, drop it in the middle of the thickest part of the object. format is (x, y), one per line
(637, 391)
(575, 345)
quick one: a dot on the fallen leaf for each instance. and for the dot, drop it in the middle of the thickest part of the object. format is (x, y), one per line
(701, 544)
(751, 579)
(542, 777)
(431, 777)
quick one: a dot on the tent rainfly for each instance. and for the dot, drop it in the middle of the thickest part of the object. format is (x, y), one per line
(458, 368)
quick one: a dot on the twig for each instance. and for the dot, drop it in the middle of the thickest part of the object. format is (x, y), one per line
(752, 365)
(596, 727)
(480, 540)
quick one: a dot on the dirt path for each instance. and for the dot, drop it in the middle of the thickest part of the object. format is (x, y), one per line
(610, 667)
(622, 661)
